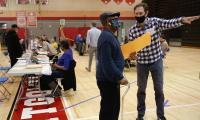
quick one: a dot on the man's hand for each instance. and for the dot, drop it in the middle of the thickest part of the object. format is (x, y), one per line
(133, 56)
(188, 20)
(124, 81)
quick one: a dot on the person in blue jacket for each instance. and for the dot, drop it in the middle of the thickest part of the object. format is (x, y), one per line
(110, 65)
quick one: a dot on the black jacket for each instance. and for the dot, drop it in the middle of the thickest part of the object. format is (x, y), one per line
(13, 44)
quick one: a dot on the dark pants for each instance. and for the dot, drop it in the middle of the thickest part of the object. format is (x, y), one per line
(13, 61)
(156, 70)
(55, 74)
(110, 100)
(45, 80)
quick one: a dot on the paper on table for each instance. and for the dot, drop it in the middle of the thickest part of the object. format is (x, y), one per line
(33, 66)
(42, 53)
(136, 45)
(46, 70)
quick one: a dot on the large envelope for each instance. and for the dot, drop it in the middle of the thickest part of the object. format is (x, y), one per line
(136, 45)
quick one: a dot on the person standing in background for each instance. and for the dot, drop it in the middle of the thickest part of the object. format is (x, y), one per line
(91, 41)
(12, 40)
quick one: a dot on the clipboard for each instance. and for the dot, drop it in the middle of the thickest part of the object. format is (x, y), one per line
(136, 45)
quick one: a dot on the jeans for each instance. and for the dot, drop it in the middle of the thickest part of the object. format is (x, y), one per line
(156, 70)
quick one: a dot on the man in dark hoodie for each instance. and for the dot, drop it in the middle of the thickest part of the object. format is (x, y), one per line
(110, 65)
(13, 44)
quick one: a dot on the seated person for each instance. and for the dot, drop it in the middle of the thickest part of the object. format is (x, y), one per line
(58, 68)
(54, 44)
(46, 46)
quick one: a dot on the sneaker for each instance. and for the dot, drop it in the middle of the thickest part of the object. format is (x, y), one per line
(87, 69)
(140, 117)
(162, 118)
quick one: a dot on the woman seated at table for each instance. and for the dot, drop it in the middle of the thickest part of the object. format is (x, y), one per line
(46, 46)
(58, 68)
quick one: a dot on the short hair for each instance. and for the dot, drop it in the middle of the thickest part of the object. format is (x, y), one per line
(14, 26)
(144, 5)
(64, 44)
(94, 24)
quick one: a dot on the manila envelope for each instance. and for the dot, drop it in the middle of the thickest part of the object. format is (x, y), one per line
(136, 45)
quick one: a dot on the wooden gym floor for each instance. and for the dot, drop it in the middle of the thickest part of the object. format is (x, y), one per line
(181, 88)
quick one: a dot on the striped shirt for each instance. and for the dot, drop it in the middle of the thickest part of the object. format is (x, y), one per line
(155, 26)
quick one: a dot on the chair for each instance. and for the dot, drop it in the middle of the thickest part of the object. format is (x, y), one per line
(69, 80)
(4, 92)
(4, 70)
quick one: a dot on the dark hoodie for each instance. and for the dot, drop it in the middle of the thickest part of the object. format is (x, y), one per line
(12, 42)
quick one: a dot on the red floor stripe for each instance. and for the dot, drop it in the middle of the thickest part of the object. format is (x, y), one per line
(37, 108)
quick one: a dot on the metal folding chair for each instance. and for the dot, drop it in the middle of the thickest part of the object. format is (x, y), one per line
(4, 70)
(5, 91)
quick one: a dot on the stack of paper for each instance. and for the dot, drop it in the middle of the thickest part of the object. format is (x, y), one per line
(33, 66)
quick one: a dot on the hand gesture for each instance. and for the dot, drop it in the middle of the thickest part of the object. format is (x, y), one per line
(188, 20)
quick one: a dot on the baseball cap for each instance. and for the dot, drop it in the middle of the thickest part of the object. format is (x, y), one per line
(105, 15)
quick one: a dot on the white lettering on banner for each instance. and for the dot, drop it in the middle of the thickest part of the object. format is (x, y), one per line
(38, 101)
(33, 94)
(28, 112)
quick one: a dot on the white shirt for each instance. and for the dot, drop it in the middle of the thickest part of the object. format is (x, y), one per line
(93, 36)
(47, 47)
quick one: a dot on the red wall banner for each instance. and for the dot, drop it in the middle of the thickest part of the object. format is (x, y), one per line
(3, 3)
(31, 19)
(21, 18)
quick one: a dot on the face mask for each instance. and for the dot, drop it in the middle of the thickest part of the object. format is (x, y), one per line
(115, 23)
(140, 19)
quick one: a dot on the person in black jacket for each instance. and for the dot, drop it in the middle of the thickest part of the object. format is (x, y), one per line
(110, 65)
(13, 44)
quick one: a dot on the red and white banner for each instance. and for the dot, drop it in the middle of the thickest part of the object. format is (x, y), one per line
(31, 19)
(21, 18)
(3, 3)
(37, 108)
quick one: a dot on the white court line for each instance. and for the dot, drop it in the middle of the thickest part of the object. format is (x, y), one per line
(151, 109)
(69, 111)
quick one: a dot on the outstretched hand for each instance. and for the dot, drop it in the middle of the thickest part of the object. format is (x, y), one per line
(188, 20)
